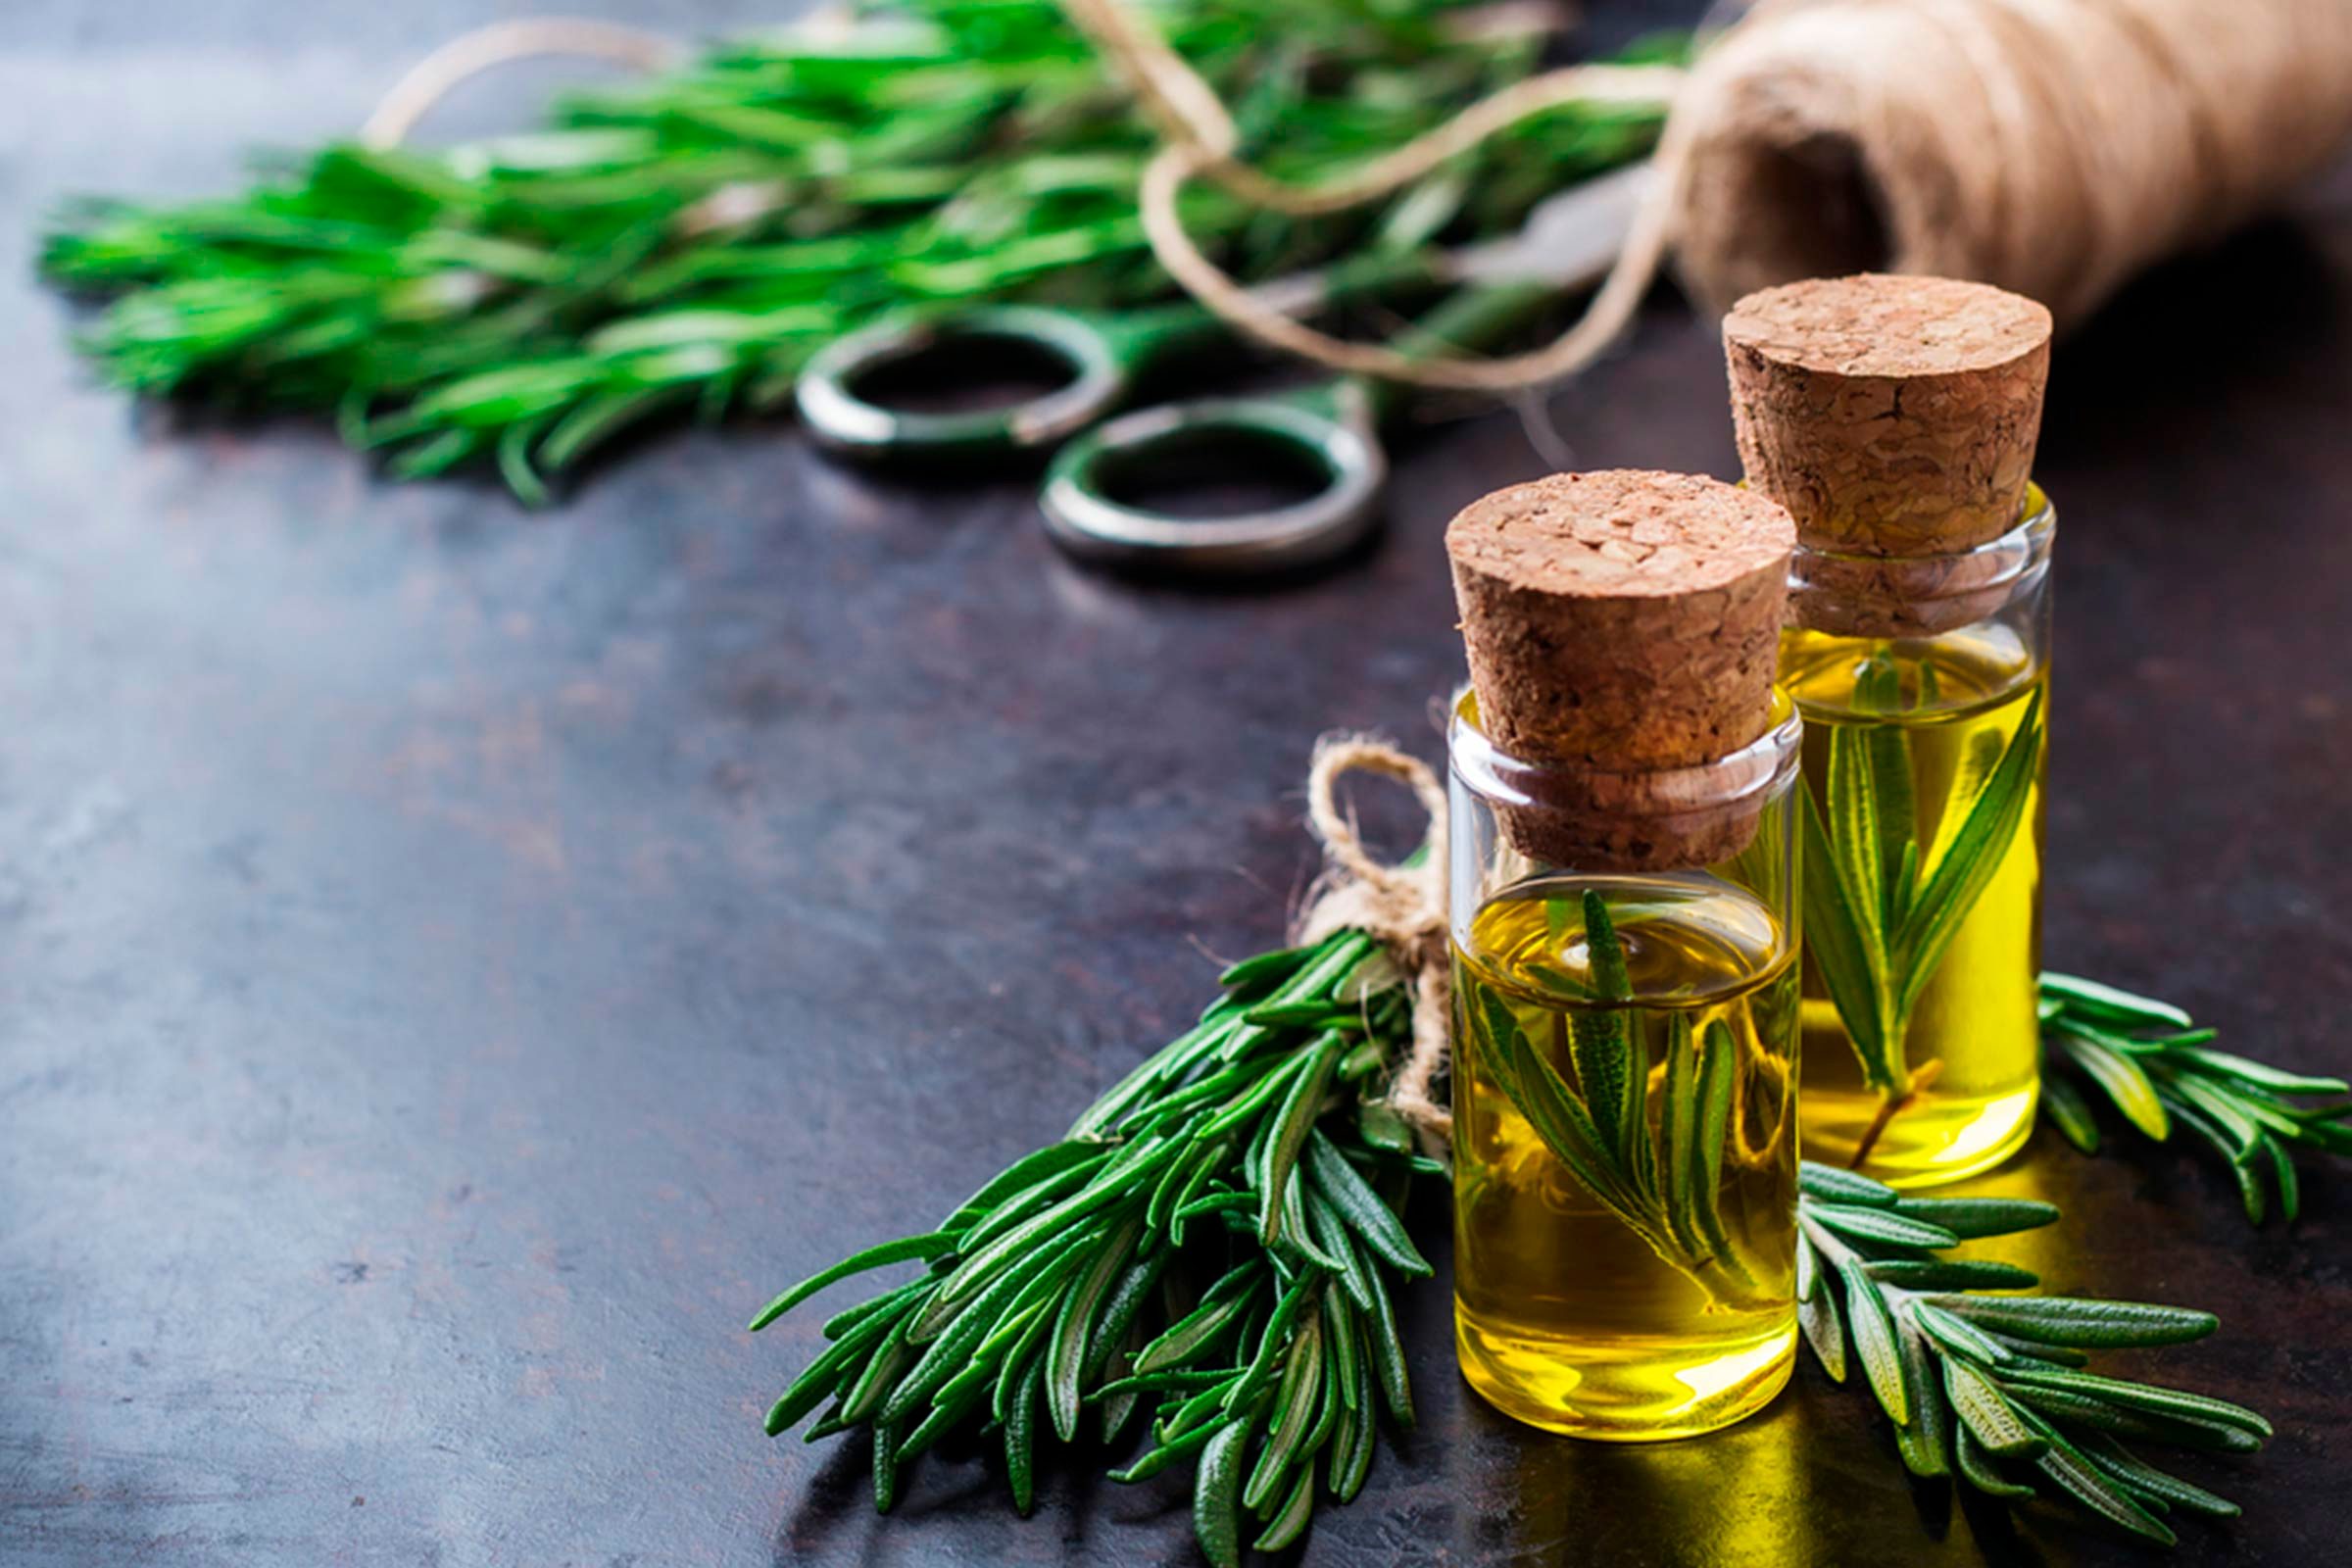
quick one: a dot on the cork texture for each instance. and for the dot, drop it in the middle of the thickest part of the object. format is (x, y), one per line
(1890, 415)
(1618, 624)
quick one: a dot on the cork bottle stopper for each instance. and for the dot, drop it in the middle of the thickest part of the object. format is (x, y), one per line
(1890, 415)
(1622, 625)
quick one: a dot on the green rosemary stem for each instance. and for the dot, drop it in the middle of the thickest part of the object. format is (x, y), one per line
(1986, 1387)
(2152, 1063)
(1216, 1242)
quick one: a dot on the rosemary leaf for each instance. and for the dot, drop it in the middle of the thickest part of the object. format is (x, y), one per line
(1844, 954)
(2144, 1480)
(1873, 1340)
(2062, 1464)
(1970, 859)
(1977, 1468)
(1880, 1226)
(2110, 1004)
(935, 1245)
(1975, 1373)
(2124, 1083)
(1967, 1217)
(1825, 1330)
(2149, 1060)
(1604, 1069)
(1923, 1439)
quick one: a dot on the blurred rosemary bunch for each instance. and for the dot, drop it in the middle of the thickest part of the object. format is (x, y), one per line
(685, 242)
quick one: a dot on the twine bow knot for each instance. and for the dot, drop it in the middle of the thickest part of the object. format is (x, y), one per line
(1400, 905)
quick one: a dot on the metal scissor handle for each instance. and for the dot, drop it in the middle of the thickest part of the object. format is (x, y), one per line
(840, 417)
(1330, 431)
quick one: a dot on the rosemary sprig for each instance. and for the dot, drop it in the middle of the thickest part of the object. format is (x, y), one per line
(1988, 1386)
(684, 243)
(1213, 1241)
(2152, 1062)
(1878, 914)
(1664, 1186)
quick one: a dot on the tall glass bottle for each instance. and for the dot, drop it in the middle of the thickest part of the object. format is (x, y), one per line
(1896, 419)
(1623, 899)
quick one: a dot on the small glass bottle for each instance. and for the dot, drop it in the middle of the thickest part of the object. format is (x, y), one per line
(1896, 419)
(1624, 922)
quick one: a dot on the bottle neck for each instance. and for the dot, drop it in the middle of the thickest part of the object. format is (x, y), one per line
(1569, 817)
(1851, 595)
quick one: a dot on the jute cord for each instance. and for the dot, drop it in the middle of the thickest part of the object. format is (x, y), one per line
(2080, 139)
(2054, 147)
(469, 54)
(1401, 907)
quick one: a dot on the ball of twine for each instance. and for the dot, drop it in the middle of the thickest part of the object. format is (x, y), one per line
(2052, 147)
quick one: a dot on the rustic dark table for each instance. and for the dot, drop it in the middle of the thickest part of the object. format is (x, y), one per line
(455, 963)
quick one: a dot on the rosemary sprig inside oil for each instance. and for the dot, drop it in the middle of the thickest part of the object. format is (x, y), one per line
(1664, 1182)
(1881, 907)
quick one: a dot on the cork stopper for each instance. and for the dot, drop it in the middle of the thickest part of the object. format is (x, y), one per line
(1622, 628)
(1893, 417)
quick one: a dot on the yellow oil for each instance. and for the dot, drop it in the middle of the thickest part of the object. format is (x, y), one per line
(1962, 697)
(1567, 1316)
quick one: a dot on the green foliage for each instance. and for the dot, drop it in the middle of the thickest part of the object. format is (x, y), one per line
(1984, 1385)
(1663, 1186)
(686, 242)
(1876, 918)
(1216, 1238)
(2159, 1070)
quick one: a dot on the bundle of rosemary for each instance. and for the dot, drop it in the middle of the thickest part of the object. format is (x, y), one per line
(1213, 1240)
(686, 242)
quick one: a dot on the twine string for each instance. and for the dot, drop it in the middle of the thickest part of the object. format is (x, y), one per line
(2054, 147)
(471, 53)
(1403, 907)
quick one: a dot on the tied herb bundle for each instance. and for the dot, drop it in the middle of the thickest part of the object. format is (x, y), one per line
(1214, 1241)
(687, 242)
(2155, 1067)
(1988, 1386)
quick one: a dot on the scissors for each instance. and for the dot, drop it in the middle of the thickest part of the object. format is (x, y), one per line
(1329, 430)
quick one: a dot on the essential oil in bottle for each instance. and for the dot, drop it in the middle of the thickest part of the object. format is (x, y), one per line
(1623, 900)
(1896, 419)
(1648, 1315)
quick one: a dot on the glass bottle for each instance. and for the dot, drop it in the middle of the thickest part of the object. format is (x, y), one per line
(1941, 738)
(1624, 1091)
(1897, 420)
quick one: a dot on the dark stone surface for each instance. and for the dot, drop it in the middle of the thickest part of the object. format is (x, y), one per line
(455, 963)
